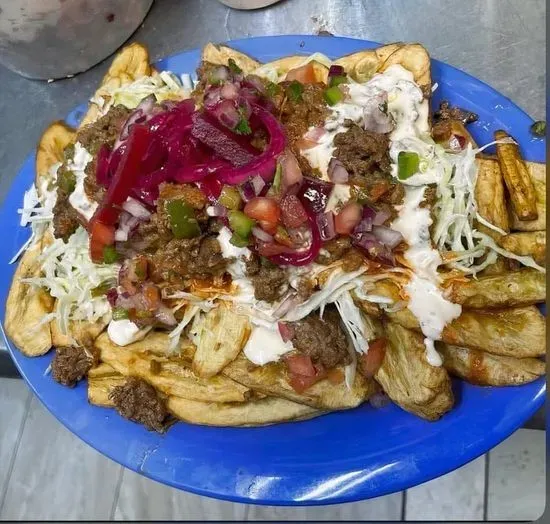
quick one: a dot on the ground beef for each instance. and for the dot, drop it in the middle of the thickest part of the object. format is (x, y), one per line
(183, 259)
(340, 248)
(447, 112)
(71, 364)
(334, 250)
(365, 155)
(362, 152)
(65, 218)
(323, 339)
(138, 401)
(297, 116)
(269, 280)
(105, 130)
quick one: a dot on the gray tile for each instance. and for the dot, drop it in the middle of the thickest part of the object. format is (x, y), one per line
(517, 481)
(379, 509)
(56, 476)
(144, 499)
(14, 402)
(456, 496)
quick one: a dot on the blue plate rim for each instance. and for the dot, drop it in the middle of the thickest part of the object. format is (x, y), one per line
(405, 483)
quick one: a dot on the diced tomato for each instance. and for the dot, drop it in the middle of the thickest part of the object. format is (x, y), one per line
(292, 211)
(370, 362)
(304, 74)
(300, 365)
(101, 235)
(300, 383)
(151, 296)
(285, 330)
(350, 215)
(303, 374)
(269, 249)
(266, 211)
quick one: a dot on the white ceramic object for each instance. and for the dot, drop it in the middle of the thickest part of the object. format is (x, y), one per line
(248, 4)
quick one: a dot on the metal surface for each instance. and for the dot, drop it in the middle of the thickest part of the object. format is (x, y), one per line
(502, 42)
(54, 38)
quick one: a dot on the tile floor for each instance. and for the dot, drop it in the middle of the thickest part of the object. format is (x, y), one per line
(46, 473)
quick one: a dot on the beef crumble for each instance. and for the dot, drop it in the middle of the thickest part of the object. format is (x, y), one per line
(186, 258)
(362, 152)
(323, 339)
(138, 401)
(365, 155)
(71, 364)
(298, 115)
(65, 217)
(340, 248)
(269, 280)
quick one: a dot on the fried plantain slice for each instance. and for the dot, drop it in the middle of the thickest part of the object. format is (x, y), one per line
(26, 308)
(484, 369)
(260, 412)
(222, 335)
(170, 375)
(80, 332)
(530, 243)
(509, 289)
(415, 59)
(516, 177)
(516, 332)
(49, 152)
(409, 379)
(129, 64)
(100, 389)
(490, 197)
(537, 174)
(221, 54)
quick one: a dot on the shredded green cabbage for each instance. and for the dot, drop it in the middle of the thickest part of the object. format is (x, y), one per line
(456, 215)
(164, 86)
(70, 275)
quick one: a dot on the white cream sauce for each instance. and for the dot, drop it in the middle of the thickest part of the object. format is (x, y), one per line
(265, 345)
(124, 332)
(78, 198)
(426, 300)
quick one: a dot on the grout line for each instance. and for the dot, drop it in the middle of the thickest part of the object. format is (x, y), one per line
(486, 489)
(117, 493)
(246, 512)
(404, 506)
(16, 450)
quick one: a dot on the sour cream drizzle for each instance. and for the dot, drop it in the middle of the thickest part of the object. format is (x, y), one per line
(411, 132)
(78, 198)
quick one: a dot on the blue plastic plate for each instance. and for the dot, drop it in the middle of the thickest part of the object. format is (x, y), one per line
(339, 457)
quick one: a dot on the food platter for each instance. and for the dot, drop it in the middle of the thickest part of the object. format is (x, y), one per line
(339, 457)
